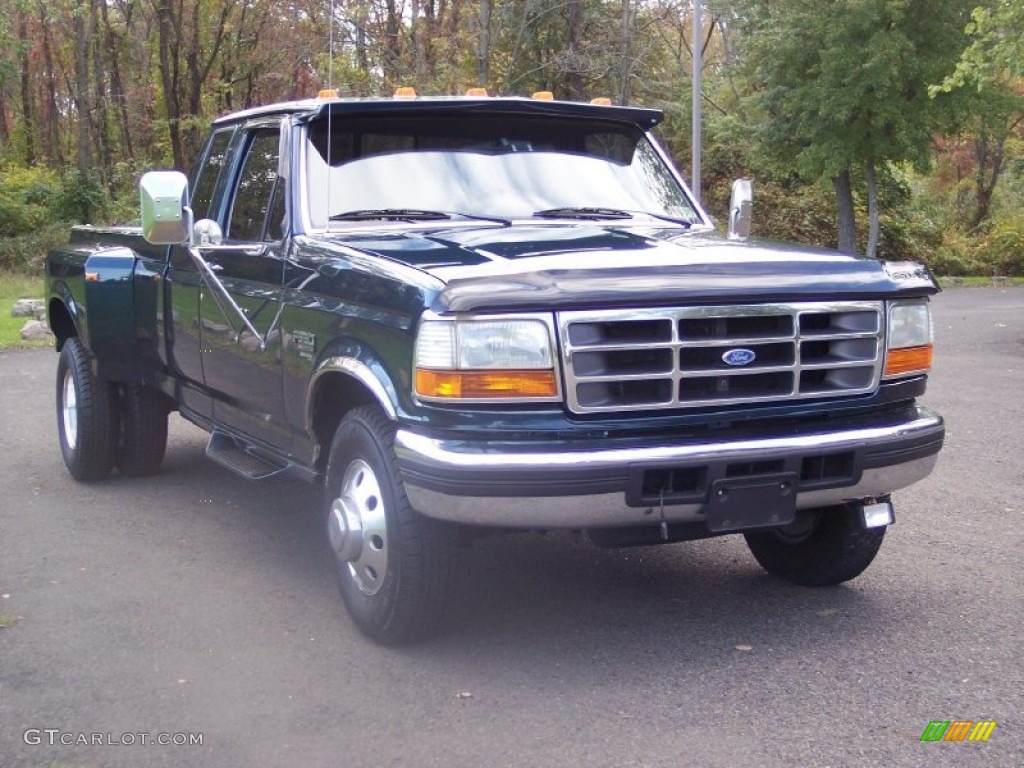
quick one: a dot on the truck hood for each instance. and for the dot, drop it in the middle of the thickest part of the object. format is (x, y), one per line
(558, 266)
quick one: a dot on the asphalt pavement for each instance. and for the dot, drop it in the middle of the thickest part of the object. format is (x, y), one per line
(196, 606)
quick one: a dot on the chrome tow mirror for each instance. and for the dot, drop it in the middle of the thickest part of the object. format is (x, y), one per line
(741, 209)
(166, 217)
(207, 234)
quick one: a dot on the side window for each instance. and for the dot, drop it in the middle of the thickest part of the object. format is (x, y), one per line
(276, 214)
(202, 190)
(256, 184)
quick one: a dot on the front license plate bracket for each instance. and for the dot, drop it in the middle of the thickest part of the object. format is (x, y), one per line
(743, 503)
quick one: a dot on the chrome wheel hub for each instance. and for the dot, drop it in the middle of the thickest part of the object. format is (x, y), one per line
(69, 411)
(357, 527)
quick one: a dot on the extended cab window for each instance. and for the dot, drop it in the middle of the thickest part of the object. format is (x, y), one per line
(257, 212)
(209, 173)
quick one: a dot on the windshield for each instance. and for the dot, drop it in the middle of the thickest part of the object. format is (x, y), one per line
(485, 165)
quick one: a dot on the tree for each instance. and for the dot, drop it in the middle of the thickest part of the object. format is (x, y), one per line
(844, 86)
(996, 50)
(988, 76)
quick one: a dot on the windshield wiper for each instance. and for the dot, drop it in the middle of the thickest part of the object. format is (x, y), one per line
(412, 214)
(582, 213)
(597, 214)
(391, 214)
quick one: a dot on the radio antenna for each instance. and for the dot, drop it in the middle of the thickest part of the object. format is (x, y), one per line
(330, 51)
(330, 112)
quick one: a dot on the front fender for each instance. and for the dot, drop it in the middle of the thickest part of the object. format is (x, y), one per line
(357, 362)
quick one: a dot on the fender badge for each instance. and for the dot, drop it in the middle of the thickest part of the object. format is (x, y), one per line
(737, 357)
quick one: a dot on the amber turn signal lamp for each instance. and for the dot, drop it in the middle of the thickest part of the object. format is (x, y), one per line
(544, 96)
(327, 93)
(485, 384)
(908, 360)
(405, 92)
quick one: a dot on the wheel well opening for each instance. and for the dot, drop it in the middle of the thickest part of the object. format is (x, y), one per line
(61, 324)
(336, 395)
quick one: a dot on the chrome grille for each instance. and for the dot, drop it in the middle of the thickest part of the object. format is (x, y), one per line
(638, 359)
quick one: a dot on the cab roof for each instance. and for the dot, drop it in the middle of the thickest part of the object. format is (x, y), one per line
(310, 109)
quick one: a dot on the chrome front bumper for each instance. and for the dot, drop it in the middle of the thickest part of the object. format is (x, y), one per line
(484, 484)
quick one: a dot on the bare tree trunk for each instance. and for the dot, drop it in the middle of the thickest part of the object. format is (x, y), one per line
(452, 30)
(989, 156)
(483, 47)
(81, 96)
(416, 36)
(844, 212)
(5, 130)
(169, 47)
(393, 47)
(52, 148)
(361, 19)
(194, 78)
(117, 86)
(625, 65)
(27, 103)
(873, 215)
(575, 33)
(101, 122)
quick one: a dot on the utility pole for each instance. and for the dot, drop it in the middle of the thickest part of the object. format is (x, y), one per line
(696, 98)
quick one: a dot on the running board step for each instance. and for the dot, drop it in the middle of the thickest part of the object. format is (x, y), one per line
(240, 457)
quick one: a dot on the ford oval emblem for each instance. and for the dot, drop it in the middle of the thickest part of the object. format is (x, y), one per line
(739, 357)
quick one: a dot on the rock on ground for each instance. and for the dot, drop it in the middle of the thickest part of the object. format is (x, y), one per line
(35, 330)
(29, 308)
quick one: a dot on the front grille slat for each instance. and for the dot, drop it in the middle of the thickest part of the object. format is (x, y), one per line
(698, 372)
(698, 343)
(688, 357)
(829, 365)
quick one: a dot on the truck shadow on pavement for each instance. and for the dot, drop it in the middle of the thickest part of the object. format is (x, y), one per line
(521, 594)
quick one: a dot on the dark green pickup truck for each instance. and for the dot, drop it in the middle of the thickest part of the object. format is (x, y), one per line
(503, 313)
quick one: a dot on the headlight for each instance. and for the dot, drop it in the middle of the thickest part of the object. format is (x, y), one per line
(909, 347)
(500, 358)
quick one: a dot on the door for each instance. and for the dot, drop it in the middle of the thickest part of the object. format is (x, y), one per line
(183, 284)
(240, 318)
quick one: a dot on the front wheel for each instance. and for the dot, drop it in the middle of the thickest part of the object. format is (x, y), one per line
(821, 548)
(86, 414)
(392, 565)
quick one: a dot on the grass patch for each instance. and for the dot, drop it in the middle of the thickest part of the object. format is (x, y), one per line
(980, 282)
(15, 286)
(7, 620)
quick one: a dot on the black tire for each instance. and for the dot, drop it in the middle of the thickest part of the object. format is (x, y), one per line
(86, 414)
(822, 548)
(143, 432)
(393, 565)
